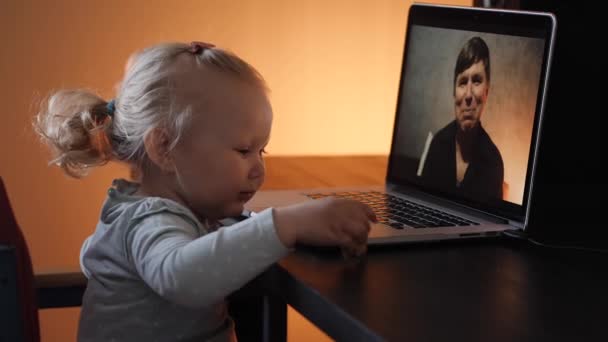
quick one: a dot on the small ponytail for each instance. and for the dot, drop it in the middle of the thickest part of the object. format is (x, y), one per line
(77, 125)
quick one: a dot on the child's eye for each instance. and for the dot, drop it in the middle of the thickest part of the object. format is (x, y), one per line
(246, 151)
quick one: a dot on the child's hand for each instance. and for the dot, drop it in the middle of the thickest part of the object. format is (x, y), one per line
(327, 221)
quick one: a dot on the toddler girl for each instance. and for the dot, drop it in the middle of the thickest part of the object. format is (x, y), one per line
(192, 122)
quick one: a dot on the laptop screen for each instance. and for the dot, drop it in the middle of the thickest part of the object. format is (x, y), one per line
(469, 105)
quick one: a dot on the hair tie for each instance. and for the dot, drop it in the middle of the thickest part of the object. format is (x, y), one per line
(198, 47)
(111, 107)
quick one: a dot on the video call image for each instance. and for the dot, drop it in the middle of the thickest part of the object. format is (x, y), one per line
(467, 111)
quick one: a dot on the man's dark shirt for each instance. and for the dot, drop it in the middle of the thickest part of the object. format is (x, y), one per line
(485, 173)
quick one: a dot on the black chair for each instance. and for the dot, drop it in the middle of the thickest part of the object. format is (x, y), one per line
(22, 294)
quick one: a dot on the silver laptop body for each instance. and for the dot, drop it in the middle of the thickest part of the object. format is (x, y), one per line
(520, 45)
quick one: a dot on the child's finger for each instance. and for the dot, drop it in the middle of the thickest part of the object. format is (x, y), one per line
(354, 252)
(369, 212)
(358, 230)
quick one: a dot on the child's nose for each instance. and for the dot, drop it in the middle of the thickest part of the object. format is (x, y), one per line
(258, 169)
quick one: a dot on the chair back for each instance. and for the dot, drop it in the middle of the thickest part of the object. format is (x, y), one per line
(16, 277)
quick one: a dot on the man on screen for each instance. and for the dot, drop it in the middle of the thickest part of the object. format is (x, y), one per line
(462, 156)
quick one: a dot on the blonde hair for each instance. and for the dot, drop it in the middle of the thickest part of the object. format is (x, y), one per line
(83, 132)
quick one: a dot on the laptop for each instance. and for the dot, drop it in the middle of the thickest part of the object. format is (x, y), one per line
(467, 126)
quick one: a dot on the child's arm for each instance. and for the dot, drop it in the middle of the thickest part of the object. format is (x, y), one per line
(197, 271)
(184, 268)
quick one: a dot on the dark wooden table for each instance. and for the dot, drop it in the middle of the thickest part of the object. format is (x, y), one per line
(498, 290)
(473, 291)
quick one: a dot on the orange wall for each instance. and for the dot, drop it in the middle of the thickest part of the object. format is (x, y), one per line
(332, 66)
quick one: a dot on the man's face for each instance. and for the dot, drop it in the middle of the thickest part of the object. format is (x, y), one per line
(470, 94)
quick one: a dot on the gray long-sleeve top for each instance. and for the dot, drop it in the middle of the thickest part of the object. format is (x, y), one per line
(155, 273)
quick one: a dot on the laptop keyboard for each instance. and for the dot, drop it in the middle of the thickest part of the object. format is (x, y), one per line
(400, 213)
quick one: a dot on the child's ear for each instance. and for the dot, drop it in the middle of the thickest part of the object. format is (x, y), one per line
(157, 144)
